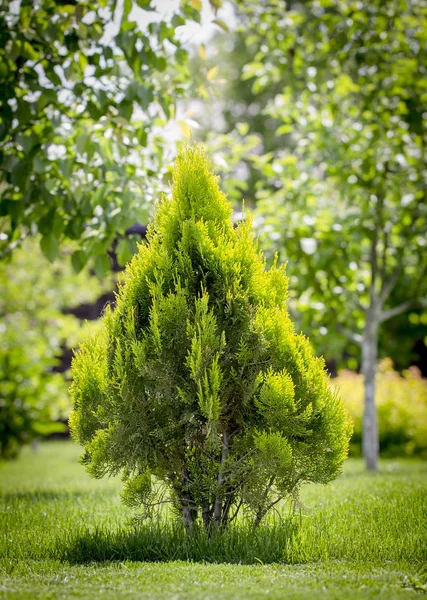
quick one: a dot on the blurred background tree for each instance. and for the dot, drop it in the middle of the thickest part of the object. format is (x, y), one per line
(88, 89)
(238, 135)
(344, 199)
(35, 331)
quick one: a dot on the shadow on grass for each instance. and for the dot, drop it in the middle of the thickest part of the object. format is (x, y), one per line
(165, 541)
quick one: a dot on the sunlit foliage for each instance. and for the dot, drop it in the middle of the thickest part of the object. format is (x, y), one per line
(197, 376)
(402, 409)
(88, 89)
(33, 334)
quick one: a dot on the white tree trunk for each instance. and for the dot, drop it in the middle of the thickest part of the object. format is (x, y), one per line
(370, 444)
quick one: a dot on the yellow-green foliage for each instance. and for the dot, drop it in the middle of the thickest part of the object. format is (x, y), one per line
(197, 376)
(402, 408)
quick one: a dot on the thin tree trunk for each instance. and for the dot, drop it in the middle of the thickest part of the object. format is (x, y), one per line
(263, 510)
(226, 509)
(207, 517)
(187, 511)
(370, 444)
(218, 500)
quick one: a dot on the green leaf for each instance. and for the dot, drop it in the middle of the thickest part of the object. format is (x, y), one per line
(45, 224)
(131, 91)
(106, 150)
(47, 96)
(40, 165)
(4, 70)
(142, 136)
(13, 51)
(345, 85)
(28, 52)
(94, 111)
(78, 260)
(126, 109)
(53, 77)
(81, 143)
(102, 266)
(23, 113)
(221, 24)
(161, 63)
(66, 167)
(79, 13)
(177, 21)
(181, 56)
(145, 95)
(99, 195)
(127, 7)
(283, 129)
(49, 246)
(20, 174)
(211, 74)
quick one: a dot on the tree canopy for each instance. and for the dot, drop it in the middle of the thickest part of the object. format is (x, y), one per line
(86, 95)
(345, 199)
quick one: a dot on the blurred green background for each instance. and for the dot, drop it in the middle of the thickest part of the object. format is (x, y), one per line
(315, 115)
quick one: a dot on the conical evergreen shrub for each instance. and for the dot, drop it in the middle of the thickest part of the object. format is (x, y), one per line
(197, 376)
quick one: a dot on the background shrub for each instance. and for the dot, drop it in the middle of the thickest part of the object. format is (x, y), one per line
(34, 331)
(402, 409)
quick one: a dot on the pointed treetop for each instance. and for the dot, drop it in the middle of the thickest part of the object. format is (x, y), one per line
(196, 189)
(196, 196)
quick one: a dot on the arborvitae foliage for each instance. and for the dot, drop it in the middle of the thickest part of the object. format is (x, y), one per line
(197, 377)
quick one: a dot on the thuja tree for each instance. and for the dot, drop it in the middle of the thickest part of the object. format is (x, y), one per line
(197, 388)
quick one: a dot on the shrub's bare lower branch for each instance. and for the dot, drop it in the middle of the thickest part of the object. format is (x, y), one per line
(236, 511)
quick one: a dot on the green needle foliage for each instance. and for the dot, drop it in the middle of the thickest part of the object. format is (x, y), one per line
(198, 377)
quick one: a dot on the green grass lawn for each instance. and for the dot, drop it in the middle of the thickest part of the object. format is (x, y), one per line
(64, 535)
